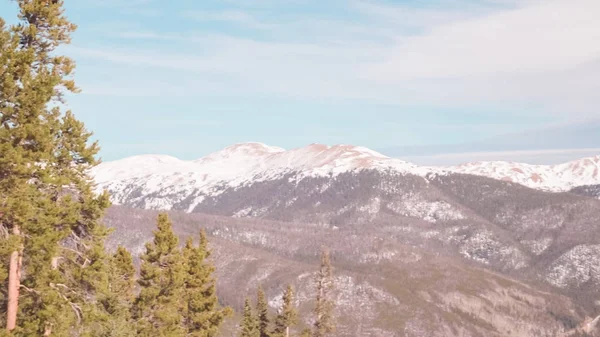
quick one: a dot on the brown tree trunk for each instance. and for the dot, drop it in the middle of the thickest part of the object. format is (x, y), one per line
(14, 283)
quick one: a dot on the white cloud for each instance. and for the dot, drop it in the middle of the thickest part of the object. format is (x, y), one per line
(119, 3)
(135, 7)
(424, 17)
(231, 16)
(525, 54)
(553, 36)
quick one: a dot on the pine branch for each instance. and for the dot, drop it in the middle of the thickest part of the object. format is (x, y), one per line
(4, 234)
(30, 290)
(76, 308)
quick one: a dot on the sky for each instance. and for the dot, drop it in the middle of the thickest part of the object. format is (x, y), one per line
(431, 81)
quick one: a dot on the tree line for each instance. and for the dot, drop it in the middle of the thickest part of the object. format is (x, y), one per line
(57, 278)
(258, 323)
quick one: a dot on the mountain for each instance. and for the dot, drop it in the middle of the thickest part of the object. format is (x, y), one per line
(552, 237)
(562, 177)
(163, 182)
(158, 181)
(587, 190)
(384, 287)
(464, 238)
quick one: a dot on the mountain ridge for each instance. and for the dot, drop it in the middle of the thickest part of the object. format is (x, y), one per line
(355, 194)
(243, 162)
(384, 285)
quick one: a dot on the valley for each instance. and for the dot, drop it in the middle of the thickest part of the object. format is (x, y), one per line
(425, 251)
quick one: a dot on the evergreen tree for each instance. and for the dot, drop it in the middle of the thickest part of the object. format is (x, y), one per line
(287, 316)
(122, 280)
(306, 333)
(249, 326)
(119, 297)
(324, 322)
(158, 309)
(203, 314)
(109, 314)
(49, 216)
(262, 311)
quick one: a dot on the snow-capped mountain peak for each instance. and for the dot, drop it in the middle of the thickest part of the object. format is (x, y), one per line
(240, 150)
(140, 165)
(236, 165)
(555, 178)
(247, 163)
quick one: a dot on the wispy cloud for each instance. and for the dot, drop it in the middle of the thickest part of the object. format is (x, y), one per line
(418, 17)
(526, 54)
(553, 36)
(135, 7)
(118, 3)
(237, 17)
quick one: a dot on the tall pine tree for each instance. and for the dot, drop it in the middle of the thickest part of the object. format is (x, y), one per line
(158, 309)
(306, 333)
(287, 316)
(112, 278)
(48, 212)
(262, 311)
(203, 314)
(324, 320)
(121, 282)
(249, 325)
(118, 297)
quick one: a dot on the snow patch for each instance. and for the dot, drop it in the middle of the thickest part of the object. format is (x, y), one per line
(554, 178)
(575, 267)
(537, 247)
(483, 247)
(430, 211)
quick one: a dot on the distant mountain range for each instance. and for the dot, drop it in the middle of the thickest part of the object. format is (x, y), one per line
(346, 186)
(385, 220)
(164, 182)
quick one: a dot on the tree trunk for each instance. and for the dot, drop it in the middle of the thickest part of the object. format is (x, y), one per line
(14, 283)
(287, 331)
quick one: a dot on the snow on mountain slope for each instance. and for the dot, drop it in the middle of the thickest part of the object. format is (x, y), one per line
(555, 178)
(246, 163)
(235, 166)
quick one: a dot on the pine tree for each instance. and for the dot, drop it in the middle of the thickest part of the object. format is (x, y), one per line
(203, 314)
(262, 311)
(306, 333)
(158, 309)
(249, 326)
(49, 216)
(324, 323)
(119, 296)
(111, 277)
(287, 316)
(122, 280)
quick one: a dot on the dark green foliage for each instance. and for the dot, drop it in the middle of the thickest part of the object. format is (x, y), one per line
(203, 314)
(158, 309)
(306, 333)
(178, 292)
(324, 320)
(249, 325)
(287, 316)
(262, 312)
(122, 275)
(49, 215)
(120, 296)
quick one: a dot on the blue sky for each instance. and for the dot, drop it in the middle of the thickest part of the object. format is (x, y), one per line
(436, 82)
